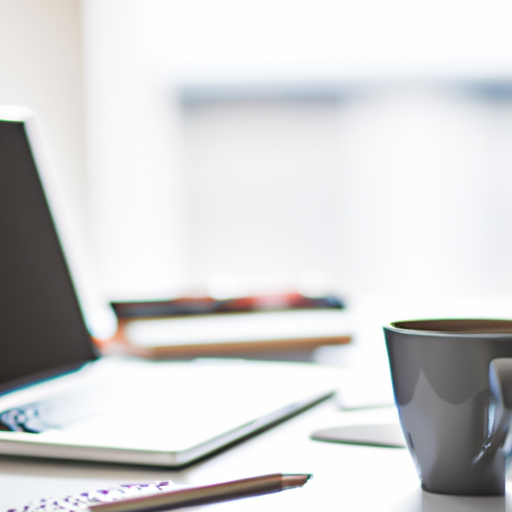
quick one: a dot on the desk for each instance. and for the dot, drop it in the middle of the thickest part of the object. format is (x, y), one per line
(346, 478)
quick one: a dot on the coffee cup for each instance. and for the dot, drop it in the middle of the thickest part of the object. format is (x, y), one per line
(452, 380)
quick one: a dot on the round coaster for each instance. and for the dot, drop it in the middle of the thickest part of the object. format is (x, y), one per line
(384, 435)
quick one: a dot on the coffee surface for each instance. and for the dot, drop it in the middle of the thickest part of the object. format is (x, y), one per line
(459, 325)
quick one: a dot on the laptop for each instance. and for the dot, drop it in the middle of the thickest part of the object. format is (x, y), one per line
(58, 397)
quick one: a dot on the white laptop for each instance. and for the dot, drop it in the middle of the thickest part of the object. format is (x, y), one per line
(57, 397)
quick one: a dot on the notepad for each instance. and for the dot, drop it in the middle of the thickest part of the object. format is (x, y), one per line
(237, 333)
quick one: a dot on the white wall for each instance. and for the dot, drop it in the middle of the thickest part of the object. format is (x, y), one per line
(133, 141)
(41, 67)
(399, 190)
(426, 176)
(416, 207)
(263, 192)
(272, 39)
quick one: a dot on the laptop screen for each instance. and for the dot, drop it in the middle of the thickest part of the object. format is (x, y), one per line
(42, 329)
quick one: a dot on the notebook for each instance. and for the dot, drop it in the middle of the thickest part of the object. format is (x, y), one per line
(58, 397)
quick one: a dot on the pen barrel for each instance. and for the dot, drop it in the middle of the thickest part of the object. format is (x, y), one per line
(196, 496)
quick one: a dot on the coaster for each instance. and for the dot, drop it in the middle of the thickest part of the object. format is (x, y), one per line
(384, 435)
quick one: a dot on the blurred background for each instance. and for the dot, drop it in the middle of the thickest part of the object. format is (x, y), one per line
(364, 142)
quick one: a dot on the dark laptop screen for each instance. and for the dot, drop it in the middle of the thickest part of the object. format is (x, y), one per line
(41, 326)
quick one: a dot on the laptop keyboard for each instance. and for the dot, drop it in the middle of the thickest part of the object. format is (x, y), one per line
(23, 419)
(56, 411)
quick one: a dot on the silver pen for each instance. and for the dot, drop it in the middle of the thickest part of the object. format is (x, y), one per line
(206, 494)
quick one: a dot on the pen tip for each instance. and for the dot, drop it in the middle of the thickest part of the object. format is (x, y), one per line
(295, 480)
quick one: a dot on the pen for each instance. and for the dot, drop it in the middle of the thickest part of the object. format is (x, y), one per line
(204, 495)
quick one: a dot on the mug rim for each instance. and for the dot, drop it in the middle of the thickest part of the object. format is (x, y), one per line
(473, 329)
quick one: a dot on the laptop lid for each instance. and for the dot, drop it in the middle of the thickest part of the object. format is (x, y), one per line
(48, 308)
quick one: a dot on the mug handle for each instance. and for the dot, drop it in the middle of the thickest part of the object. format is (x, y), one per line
(500, 412)
(500, 375)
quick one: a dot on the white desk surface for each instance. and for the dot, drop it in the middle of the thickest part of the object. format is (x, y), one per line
(351, 478)
(346, 478)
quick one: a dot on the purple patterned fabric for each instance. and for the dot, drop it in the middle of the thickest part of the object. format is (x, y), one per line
(82, 501)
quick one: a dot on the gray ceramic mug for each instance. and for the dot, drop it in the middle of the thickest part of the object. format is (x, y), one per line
(452, 381)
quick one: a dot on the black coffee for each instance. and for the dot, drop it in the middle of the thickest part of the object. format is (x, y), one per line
(463, 326)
